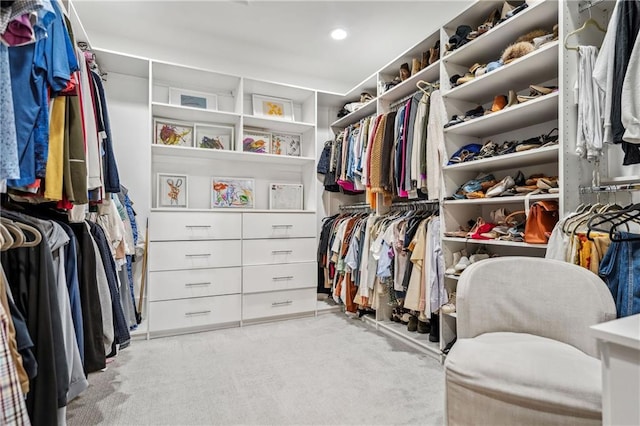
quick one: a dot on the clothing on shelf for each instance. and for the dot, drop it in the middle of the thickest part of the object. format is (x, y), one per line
(398, 255)
(65, 296)
(55, 142)
(598, 238)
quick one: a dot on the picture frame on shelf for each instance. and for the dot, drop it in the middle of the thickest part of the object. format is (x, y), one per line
(272, 107)
(172, 133)
(193, 99)
(256, 141)
(285, 144)
(214, 137)
(173, 190)
(286, 196)
(232, 192)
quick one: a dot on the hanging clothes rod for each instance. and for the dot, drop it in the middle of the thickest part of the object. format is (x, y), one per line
(588, 4)
(415, 205)
(353, 207)
(403, 100)
(610, 188)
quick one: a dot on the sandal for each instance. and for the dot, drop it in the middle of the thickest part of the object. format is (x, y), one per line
(489, 149)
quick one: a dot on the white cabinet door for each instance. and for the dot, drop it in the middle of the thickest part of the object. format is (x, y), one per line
(263, 305)
(268, 252)
(186, 313)
(167, 285)
(278, 225)
(175, 226)
(174, 255)
(279, 277)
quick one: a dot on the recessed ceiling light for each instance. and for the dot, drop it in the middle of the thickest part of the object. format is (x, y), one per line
(338, 34)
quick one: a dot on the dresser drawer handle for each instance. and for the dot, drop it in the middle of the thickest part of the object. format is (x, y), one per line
(281, 226)
(197, 226)
(196, 284)
(198, 255)
(281, 251)
(188, 314)
(290, 277)
(285, 303)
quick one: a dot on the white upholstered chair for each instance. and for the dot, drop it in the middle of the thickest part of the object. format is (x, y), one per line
(524, 354)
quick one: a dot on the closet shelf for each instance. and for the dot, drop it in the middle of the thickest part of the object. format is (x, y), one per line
(453, 277)
(489, 46)
(277, 125)
(120, 63)
(502, 200)
(400, 330)
(536, 111)
(193, 115)
(535, 68)
(173, 153)
(367, 109)
(494, 242)
(531, 157)
(430, 74)
(452, 315)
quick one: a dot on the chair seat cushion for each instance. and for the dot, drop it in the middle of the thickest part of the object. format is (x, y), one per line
(527, 370)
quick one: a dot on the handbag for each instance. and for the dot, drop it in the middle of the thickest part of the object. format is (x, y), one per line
(542, 217)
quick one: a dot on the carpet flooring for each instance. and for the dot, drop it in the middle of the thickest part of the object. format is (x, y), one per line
(325, 370)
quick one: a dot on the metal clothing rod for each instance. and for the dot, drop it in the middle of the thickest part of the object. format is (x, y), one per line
(359, 206)
(587, 4)
(403, 100)
(415, 205)
(610, 188)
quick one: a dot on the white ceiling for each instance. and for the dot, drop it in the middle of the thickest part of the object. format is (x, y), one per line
(283, 41)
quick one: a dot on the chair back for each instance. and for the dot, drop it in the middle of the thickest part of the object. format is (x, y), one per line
(544, 297)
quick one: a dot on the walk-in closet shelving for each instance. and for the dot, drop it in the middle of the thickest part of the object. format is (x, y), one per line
(516, 122)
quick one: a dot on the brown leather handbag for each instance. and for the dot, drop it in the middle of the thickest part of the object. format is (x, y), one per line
(543, 216)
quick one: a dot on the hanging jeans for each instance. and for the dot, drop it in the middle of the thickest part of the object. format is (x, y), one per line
(620, 269)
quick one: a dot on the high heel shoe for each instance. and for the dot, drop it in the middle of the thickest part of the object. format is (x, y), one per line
(513, 99)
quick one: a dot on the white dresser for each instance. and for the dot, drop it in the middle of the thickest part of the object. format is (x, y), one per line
(220, 269)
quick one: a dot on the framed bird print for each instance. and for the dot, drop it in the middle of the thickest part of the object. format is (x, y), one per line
(172, 190)
(173, 133)
(214, 137)
(256, 141)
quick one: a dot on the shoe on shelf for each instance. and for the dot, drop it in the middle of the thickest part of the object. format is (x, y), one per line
(434, 52)
(499, 103)
(478, 257)
(412, 325)
(415, 66)
(500, 187)
(405, 72)
(447, 348)
(512, 99)
(450, 306)
(423, 327)
(462, 264)
(456, 258)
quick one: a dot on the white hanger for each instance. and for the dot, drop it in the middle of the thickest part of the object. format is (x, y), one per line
(588, 22)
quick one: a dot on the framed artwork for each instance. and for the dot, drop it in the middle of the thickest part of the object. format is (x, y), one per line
(193, 99)
(285, 144)
(173, 133)
(232, 192)
(172, 190)
(268, 106)
(214, 137)
(285, 196)
(256, 141)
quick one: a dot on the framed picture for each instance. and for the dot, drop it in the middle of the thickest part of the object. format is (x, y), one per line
(285, 144)
(193, 99)
(268, 106)
(172, 190)
(256, 141)
(232, 192)
(214, 137)
(285, 196)
(173, 133)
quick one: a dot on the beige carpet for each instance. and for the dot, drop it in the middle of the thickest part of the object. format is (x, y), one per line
(325, 370)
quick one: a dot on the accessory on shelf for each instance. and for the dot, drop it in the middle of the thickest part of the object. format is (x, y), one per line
(516, 50)
(542, 217)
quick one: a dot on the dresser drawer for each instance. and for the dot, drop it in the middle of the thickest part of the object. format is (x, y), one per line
(279, 277)
(185, 313)
(278, 225)
(174, 255)
(263, 305)
(167, 285)
(268, 252)
(171, 226)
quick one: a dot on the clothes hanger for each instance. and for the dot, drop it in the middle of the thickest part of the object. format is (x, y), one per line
(588, 22)
(16, 234)
(7, 239)
(37, 236)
